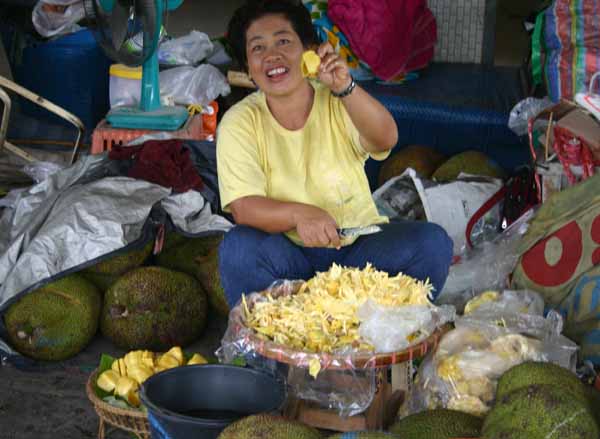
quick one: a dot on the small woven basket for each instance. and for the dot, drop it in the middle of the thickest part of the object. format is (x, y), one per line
(134, 421)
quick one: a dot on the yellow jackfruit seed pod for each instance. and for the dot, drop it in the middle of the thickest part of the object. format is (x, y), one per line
(133, 398)
(107, 380)
(177, 353)
(125, 385)
(197, 359)
(477, 301)
(140, 373)
(133, 358)
(310, 63)
(119, 367)
(148, 359)
(168, 361)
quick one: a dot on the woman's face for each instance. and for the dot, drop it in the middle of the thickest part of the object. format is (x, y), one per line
(274, 52)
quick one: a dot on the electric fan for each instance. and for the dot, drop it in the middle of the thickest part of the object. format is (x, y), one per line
(114, 22)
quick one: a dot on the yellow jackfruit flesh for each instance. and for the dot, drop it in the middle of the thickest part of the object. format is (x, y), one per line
(168, 361)
(310, 63)
(148, 359)
(477, 301)
(133, 358)
(140, 373)
(119, 367)
(125, 386)
(197, 359)
(176, 353)
(107, 380)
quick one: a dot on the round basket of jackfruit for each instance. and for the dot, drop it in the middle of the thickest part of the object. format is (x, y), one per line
(345, 318)
(113, 387)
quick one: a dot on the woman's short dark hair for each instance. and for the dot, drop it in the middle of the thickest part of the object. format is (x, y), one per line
(294, 11)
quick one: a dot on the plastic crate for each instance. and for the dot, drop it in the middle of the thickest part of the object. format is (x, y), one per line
(197, 127)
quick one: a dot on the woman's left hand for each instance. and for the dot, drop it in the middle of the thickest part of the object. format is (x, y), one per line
(333, 71)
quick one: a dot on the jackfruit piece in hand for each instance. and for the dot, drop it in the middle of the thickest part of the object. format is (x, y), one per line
(125, 386)
(140, 373)
(107, 380)
(167, 361)
(197, 359)
(176, 353)
(310, 63)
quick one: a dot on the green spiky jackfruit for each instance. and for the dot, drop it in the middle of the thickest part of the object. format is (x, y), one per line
(530, 373)
(268, 427)
(105, 273)
(438, 424)
(365, 435)
(154, 308)
(540, 412)
(423, 159)
(198, 257)
(57, 321)
(469, 162)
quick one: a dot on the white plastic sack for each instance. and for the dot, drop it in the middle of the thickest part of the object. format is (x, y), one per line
(518, 121)
(193, 85)
(184, 51)
(57, 17)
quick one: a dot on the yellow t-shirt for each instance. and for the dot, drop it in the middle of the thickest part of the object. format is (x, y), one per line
(321, 164)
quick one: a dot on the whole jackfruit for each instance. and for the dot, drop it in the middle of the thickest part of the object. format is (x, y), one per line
(198, 257)
(423, 159)
(530, 373)
(365, 435)
(268, 426)
(540, 412)
(55, 322)
(105, 273)
(469, 162)
(154, 308)
(438, 424)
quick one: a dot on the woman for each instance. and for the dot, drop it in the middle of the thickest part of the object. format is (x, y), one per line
(291, 165)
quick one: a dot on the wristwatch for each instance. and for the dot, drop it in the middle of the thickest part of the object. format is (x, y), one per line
(347, 91)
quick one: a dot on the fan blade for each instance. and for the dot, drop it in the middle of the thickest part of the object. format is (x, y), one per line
(119, 23)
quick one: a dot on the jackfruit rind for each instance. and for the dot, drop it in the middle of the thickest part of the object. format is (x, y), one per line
(365, 435)
(105, 273)
(198, 257)
(268, 427)
(56, 321)
(423, 159)
(540, 411)
(469, 162)
(530, 373)
(438, 424)
(154, 308)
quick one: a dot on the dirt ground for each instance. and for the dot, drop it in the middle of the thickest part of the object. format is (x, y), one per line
(49, 402)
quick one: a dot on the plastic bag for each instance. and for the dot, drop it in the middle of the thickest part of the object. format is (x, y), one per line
(40, 171)
(505, 302)
(389, 329)
(462, 374)
(486, 267)
(522, 112)
(57, 17)
(344, 380)
(193, 85)
(185, 51)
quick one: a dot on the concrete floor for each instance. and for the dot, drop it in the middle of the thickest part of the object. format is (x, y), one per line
(50, 402)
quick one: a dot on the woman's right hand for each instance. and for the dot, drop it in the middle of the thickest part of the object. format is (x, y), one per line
(316, 227)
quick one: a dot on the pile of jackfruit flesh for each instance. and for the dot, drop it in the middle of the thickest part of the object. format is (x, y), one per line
(127, 374)
(322, 316)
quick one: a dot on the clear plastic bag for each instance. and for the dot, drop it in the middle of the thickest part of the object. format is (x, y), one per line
(344, 380)
(486, 267)
(187, 50)
(193, 85)
(518, 121)
(57, 17)
(40, 171)
(462, 374)
(505, 302)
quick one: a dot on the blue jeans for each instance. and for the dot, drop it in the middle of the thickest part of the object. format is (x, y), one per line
(250, 260)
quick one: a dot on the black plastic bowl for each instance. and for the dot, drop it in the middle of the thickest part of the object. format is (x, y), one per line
(200, 401)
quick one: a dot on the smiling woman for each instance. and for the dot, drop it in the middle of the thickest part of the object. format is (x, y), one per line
(291, 164)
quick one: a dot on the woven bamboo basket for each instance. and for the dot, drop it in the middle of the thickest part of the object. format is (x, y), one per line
(134, 421)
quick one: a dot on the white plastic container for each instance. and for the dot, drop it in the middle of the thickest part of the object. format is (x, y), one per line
(125, 85)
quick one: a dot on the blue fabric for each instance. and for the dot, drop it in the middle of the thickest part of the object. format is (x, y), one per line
(251, 260)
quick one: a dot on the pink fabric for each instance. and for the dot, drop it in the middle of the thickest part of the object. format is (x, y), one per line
(392, 36)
